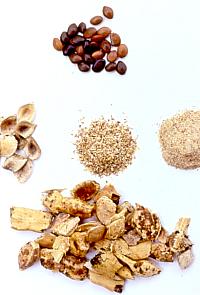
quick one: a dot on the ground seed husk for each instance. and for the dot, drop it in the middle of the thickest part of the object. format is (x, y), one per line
(180, 140)
(105, 147)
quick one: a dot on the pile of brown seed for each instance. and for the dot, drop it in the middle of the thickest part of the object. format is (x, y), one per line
(180, 140)
(17, 145)
(87, 47)
(129, 240)
(105, 147)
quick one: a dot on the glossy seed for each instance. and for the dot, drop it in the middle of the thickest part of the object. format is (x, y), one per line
(122, 50)
(96, 20)
(91, 47)
(75, 58)
(80, 50)
(84, 67)
(105, 46)
(99, 54)
(77, 40)
(57, 44)
(110, 67)
(104, 31)
(89, 32)
(82, 27)
(112, 56)
(108, 12)
(72, 30)
(99, 65)
(121, 68)
(97, 38)
(64, 38)
(88, 59)
(115, 39)
(68, 49)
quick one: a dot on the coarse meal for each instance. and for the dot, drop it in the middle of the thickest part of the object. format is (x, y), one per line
(129, 239)
(106, 146)
(180, 140)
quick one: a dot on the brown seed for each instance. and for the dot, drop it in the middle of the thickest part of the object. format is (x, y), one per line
(104, 31)
(57, 44)
(122, 50)
(96, 20)
(83, 67)
(108, 12)
(98, 54)
(105, 46)
(112, 56)
(121, 68)
(97, 38)
(111, 67)
(64, 38)
(88, 59)
(80, 50)
(77, 40)
(89, 32)
(75, 58)
(91, 47)
(72, 30)
(82, 27)
(115, 39)
(99, 65)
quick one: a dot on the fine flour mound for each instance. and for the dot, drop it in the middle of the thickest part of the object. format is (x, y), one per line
(180, 140)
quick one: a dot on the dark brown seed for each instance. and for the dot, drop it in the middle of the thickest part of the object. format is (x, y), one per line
(91, 47)
(57, 44)
(98, 38)
(80, 50)
(105, 46)
(112, 56)
(115, 39)
(83, 67)
(68, 50)
(88, 59)
(99, 65)
(122, 50)
(104, 31)
(72, 30)
(89, 32)
(82, 27)
(111, 67)
(121, 68)
(75, 58)
(96, 20)
(108, 12)
(64, 38)
(77, 40)
(98, 54)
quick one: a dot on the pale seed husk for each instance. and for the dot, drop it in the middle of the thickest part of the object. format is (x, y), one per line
(26, 113)
(32, 149)
(25, 129)
(8, 146)
(8, 125)
(21, 142)
(14, 162)
(25, 172)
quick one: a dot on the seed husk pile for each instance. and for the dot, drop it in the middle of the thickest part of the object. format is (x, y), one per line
(87, 46)
(105, 147)
(129, 240)
(180, 140)
(17, 145)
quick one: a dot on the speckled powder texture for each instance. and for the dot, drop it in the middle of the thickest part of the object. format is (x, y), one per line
(180, 140)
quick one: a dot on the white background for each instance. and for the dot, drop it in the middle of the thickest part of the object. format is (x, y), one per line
(162, 78)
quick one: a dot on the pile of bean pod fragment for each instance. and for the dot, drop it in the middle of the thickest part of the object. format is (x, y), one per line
(129, 240)
(89, 47)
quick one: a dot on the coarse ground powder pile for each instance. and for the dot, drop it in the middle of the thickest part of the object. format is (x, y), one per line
(105, 147)
(180, 140)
